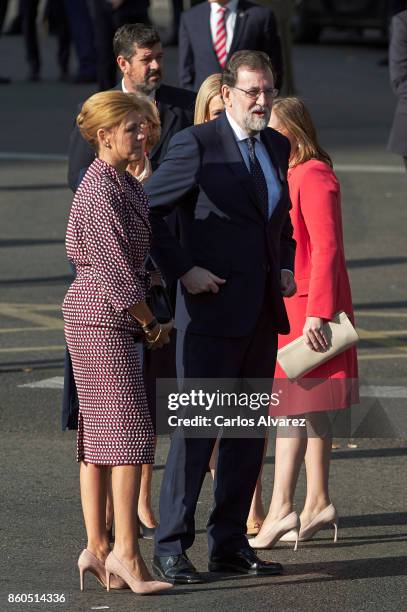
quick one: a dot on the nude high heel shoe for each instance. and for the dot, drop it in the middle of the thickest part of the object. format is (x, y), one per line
(87, 562)
(328, 515)
(269, 535)
(113, 565)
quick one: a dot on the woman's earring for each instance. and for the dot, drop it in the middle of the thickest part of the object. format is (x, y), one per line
(107, 144)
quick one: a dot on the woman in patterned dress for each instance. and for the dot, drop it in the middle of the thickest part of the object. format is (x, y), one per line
(108, 238)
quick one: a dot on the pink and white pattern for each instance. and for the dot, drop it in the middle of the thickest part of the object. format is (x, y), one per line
(108, 239)
(220, 38)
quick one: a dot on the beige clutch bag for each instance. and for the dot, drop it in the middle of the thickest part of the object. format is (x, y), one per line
(296, 359)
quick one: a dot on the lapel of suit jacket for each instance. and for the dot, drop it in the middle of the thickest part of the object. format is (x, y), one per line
(167, 117)
(233, 158)
(239, 27)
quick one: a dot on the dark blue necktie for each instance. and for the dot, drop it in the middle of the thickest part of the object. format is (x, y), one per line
(259, 179)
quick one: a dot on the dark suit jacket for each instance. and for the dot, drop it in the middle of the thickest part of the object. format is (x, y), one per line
(255, 29)
(222, 228)
(176, 109)
(398, 75)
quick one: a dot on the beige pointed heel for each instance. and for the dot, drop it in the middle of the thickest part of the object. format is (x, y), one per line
(113, 565)
(270, 534)
(87, 562)
(327, 516)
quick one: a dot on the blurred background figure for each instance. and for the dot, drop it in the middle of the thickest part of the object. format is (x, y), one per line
(55, 16)
(398, 76)
(212, 31)
(107, 16)
(171, 36)
(80, 25)
(283, 10)
(3, 10)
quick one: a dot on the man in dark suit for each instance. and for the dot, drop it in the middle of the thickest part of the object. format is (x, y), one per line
(139, 55)
(234, 260)
(212, 31)
(398, 76)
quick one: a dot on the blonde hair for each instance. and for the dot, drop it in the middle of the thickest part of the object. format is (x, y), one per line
(153, 123)
(296, 118)
(207, 91)
(107, 109)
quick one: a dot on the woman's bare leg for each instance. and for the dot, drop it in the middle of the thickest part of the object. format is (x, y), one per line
(93, 486)
(126, 489)
(257, 512)
(145, 510)
(291, 445)
(317, 460)
(109, 503)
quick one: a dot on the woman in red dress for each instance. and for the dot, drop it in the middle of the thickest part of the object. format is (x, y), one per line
(108, 239)
(322, 290)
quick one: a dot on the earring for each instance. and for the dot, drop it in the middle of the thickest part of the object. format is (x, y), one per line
(107, 144)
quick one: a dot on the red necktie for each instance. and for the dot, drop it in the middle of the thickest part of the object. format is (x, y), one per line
(220, 37)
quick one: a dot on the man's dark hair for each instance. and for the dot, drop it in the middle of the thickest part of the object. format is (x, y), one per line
(253, 60)
(132, 34)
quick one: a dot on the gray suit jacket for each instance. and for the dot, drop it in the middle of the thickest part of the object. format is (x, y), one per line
(398, 76)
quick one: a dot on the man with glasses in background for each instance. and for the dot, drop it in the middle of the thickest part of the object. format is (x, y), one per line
(234, 261)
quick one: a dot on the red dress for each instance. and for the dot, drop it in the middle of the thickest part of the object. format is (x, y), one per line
(108, 239)
(323, 287)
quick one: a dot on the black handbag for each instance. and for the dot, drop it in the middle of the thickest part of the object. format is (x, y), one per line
(159, 303)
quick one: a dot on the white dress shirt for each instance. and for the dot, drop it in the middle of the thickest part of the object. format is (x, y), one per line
(273, 184)
(230, 19)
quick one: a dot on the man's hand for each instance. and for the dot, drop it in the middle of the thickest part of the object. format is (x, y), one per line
(314, 334)
(199, 280)
(288, 284)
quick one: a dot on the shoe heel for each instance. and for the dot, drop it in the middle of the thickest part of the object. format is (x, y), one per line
(82, 578)
(108, 580)
(296, 539)
(335, 524)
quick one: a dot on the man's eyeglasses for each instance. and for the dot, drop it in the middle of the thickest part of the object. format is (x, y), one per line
(253, 94)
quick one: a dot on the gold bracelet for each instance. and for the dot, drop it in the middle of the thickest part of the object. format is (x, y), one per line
(156, 338)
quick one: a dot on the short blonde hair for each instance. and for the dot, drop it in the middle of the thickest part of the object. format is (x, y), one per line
(207, 91)
(107, 109)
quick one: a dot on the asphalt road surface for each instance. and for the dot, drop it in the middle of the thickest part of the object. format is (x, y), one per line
(41, 524)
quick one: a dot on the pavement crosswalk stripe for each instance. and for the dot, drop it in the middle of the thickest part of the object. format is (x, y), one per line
(56, 382)
(391, 392)
(32, 349)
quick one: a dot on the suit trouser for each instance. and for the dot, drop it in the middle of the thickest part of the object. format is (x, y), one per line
(239, 459)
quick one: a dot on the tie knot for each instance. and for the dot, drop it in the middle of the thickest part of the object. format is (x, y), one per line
(221, 10)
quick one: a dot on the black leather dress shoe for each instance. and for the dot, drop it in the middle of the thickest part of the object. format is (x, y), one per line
(176, 569)
(244, 561)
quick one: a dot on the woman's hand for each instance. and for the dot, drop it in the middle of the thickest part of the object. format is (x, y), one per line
(159, 335)
(314, 334)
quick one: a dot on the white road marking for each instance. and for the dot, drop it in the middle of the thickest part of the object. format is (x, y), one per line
(393, 392)
(353, 168)
(57, 382)
(11, 156)
(386, 391)
(381, 169)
